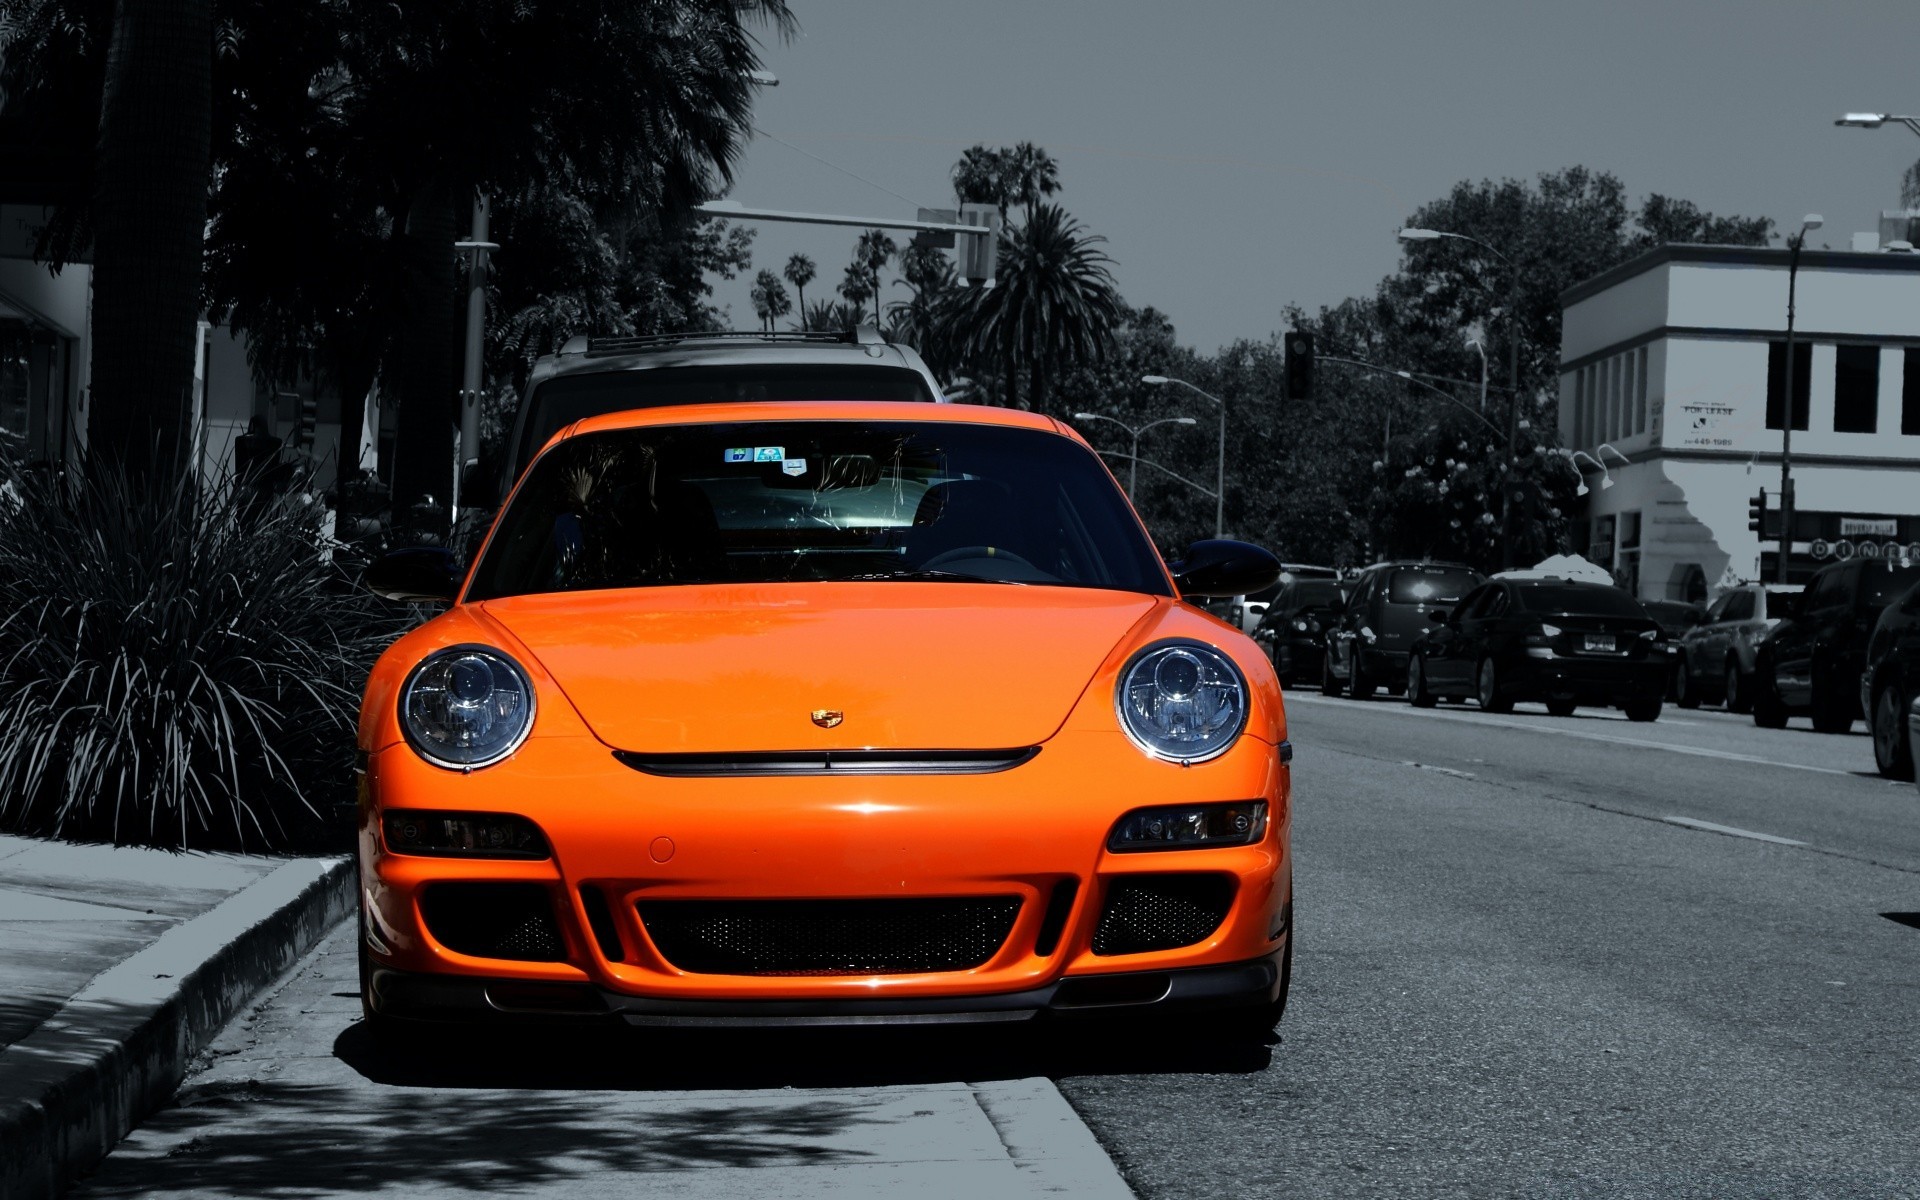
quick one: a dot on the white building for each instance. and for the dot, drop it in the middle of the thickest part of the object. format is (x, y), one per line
(1672, 373)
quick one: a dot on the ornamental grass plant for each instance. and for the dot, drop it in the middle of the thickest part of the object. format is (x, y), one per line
(180, 662)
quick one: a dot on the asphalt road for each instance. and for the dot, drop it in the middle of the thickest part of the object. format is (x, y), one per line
(1517, 975)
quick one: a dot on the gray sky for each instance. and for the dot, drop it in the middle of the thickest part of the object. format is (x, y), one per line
(1241, 156)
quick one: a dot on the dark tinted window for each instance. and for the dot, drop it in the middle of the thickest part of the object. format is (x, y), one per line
(796, 501)
(1777, 384)
(1883, 583)
(1315, 593)
(1578, 599)
(1673, 614)
(1856, 388)
(561, 401)
(1739, 607)
(1430, 585)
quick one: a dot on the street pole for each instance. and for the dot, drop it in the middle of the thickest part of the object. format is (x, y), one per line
(1513, 419)
(1220, 473)
(469, 452)
(1133, 459)
(1133, 466)
(1786, 417)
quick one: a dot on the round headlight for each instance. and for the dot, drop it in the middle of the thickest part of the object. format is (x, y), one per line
(466, 706)
(1182, 701)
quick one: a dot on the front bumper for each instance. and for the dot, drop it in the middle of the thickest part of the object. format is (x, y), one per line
(624, 839)
(444, 998)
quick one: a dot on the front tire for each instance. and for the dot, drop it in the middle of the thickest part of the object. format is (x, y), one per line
(1642, 710)
(1417, 693)
(1685, 693)
(1739, 689)
(1561, 708)
(1892, 750)
(1490, 697)
(1329, 686)
(1359, 687)
(1769, 711)
(1831, 714)
(1257, 1022)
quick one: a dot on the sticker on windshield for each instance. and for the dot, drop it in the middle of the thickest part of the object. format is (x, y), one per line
(793, 466)
(737, 454)
(769, 454)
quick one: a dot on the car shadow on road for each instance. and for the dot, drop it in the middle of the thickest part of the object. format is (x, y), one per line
(673, 1059)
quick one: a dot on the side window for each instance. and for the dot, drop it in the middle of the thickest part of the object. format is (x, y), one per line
(1739, 607)
(1469, 603)
(1829, 588)
(1496, 604)
(1717, 611)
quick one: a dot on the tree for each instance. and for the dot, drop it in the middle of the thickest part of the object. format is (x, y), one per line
(1055, 305)
(1023, 174)
(871, 253)
(800, 272)
(856, 285)
(771, 299)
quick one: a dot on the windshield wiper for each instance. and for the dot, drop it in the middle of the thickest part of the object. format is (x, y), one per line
(923, 576)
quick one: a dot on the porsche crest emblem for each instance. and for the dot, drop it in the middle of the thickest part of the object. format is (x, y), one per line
(827, 718)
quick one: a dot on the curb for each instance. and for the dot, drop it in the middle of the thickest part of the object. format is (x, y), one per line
(117, 1051)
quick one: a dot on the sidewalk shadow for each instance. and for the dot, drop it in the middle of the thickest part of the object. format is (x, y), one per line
(642, 1059)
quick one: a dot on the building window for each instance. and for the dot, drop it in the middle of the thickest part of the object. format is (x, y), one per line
(1776, 383)
(1910, 393)
(1856, 388)
(1640, 390)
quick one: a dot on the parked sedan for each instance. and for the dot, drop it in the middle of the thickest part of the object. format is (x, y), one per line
(1559, 641)
(1890, 686)
(1293, 631)
(823, 713)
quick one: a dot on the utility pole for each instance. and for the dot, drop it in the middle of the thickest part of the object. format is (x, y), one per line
(477, 243)
(1788, 397)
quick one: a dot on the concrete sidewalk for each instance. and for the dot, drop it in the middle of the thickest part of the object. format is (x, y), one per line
(120, 966)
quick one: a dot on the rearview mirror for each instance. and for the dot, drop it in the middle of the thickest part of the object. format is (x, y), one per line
(415, 575)
(478, 487)
(1224, 568)
(1439, 616)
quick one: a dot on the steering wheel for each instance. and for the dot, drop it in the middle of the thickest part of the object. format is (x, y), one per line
(964, 553)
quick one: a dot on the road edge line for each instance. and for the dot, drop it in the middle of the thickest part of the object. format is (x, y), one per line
(116, 1051)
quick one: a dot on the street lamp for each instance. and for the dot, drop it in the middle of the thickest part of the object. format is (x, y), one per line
(1808, 223)
(1220, 477)
(1876, 120)
(1416, 234)
(1133, 464)
(1606, 477)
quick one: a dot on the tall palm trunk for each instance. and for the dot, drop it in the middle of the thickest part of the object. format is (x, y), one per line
(151, 173)
(801, 291)
(423, 364)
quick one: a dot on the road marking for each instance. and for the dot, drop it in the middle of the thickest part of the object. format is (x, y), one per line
(1730, 831)
(1442, 770)
(1580, 734)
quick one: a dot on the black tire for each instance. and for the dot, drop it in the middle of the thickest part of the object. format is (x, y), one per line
(1561, 708)
(1887, 722)
(1488, 693)
(1417, 693)
(1830, 714)
(1686, 693)
(1359, 687)
(1739, 689)
(1282, 663)
(1329, 686)
(1642, 710)
(1256, 1023)
(1769, 711)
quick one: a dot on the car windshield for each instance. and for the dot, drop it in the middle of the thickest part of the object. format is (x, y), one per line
(790, 501)
(561, 401)
(1430, 585)
(1579, 599)
(1884, 583)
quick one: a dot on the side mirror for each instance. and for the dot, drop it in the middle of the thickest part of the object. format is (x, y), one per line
(417, 574)
(479, 488)
(1439, 616)
(1223, 568)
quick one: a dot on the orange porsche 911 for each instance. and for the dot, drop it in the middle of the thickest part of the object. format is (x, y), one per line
(823, 713)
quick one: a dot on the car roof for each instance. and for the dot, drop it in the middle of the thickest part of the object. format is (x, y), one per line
(595, 356)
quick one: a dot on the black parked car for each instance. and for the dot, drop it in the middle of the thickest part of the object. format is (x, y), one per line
(1560, 641)
(1812, 662)
(1675, 618)
(1387, 609)
(1293, 629)
(1891, 683)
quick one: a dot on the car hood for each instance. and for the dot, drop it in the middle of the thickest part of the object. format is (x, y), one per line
(742, 668)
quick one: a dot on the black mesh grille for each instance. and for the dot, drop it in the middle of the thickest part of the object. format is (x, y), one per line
(493, 920)
(1161, 912)
(829, 937)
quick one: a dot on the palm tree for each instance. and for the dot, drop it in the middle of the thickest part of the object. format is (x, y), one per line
(770, 298)
(799, 273)
(856, 284)
(1031, 176)
(980, 177)
(758, 295)
(872, 252)
(1056, 304)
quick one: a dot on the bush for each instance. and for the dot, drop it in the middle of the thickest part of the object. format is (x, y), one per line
(180, 663)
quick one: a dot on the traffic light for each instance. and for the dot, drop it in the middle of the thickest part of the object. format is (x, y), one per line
(1757, 512)
(1299, 365)
(979, 254)
(307, 421)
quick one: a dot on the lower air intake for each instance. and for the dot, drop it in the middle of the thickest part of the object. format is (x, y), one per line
(829, 937)
(494, 920)
(1161, 912)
